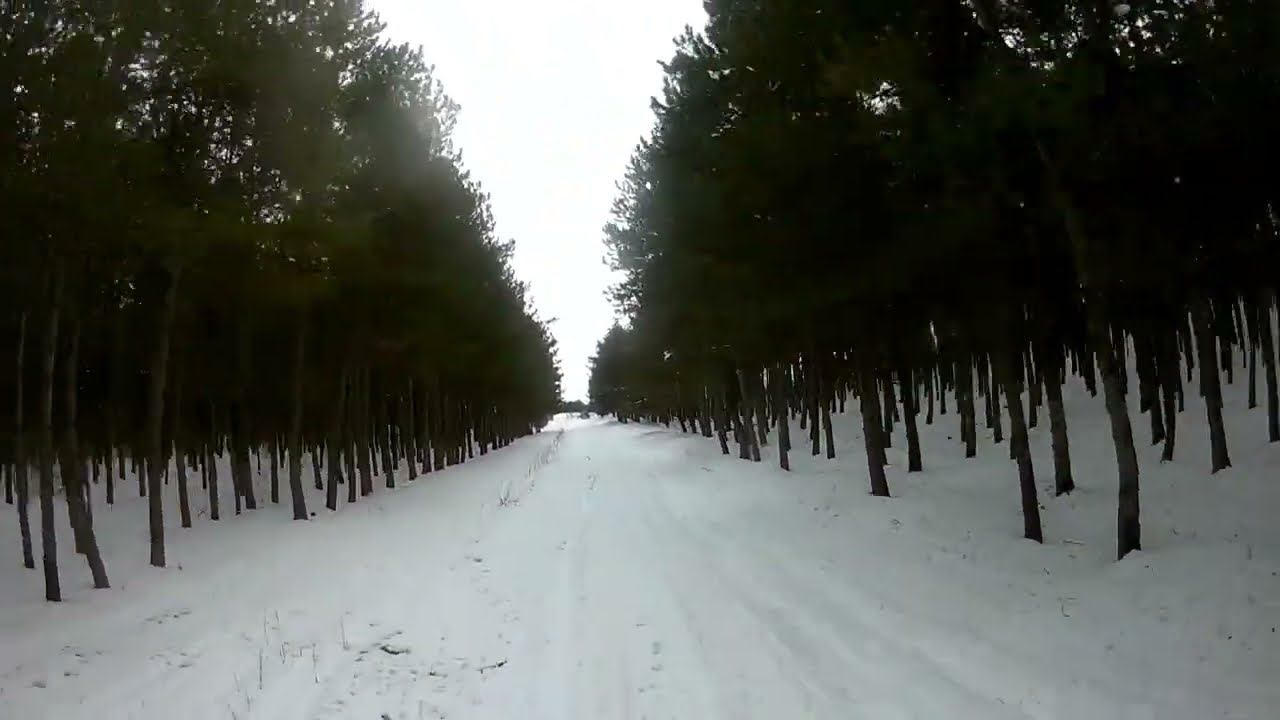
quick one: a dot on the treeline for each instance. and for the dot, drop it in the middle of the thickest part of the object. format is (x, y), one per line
(240, 228)
(886, 203)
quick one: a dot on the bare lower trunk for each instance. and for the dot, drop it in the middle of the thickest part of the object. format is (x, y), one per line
(19, 450)
(826, 422)
(1209, 384)
(361, 429)
(811, 382)
(335, 442)
(74, 482)
(48, 531)
(1267, 340)
(968, 413)
(1063, 482)
(1128, 511)
(746, 406)
(1012, 386)
(722, 434)
(907, 380)
(780, 407)
(872, 433)
(211, 462)
(993, 397)
(295, 427)
(316, 451)
(155, 417)
(275, 471)
(179, 452)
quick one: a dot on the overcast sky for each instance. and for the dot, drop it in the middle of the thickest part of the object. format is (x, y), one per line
(554, 95)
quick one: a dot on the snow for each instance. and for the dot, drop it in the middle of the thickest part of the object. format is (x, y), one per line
(599, 570)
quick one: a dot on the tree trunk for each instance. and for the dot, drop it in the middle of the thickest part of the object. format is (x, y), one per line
(1051, 378)
(1209, 386)
(155, 416)
(275, 471)
(993, 400)
(48, 531)
(1128, 510)
(965, 404)
(780, 407)
(811, 382)
(316, 451)
(928, 418)
(721, 422)
(409, 433)
(907, 380)
(1012, 386)
(1253, 375)
(74, 480)
(1269, 370)
(19, 448)
(890, 407)
(826, 420)
(1033, 392)
(871, 433)
(361, 428)
(388, 457)
(335, 442)
(295, 425)
(746, 405)
(179, 452)
(211, 462)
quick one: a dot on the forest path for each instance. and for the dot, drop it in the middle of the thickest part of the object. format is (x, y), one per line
(601, 570)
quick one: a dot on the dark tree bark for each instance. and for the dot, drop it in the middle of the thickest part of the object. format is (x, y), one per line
(179, 451)
(928, 418)
(1052, 369)
(993, 400)
(48, 531)
(361, 429)
(295, 425)
(19, 448)
(1170, 387)
(74, 481)
(275, 471)
(1267, 341)
(1033, 392)
(155, 415)
(409, 435)
(890, 407)
(1012, 386)
(965, 406)
(780, 407)
(316, 451)
(1110, 366)
(388, 457)
(826, 421)
(1209, 386)
(335, 442)
(907, 379)
(812, 383)
(211, 467)
(1253, 375)
(722, 421)
(872, 433)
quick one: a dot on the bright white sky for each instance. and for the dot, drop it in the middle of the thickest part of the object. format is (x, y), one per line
(554, 95)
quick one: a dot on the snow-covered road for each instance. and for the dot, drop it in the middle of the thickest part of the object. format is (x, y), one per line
(600, 570)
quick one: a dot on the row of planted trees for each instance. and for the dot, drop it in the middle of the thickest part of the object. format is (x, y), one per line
(892, 203)
(232, 229)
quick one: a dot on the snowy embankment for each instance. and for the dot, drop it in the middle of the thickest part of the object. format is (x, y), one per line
(612, 571)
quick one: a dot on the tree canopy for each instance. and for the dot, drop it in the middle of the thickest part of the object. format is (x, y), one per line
(894, 201)
(236, 226)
